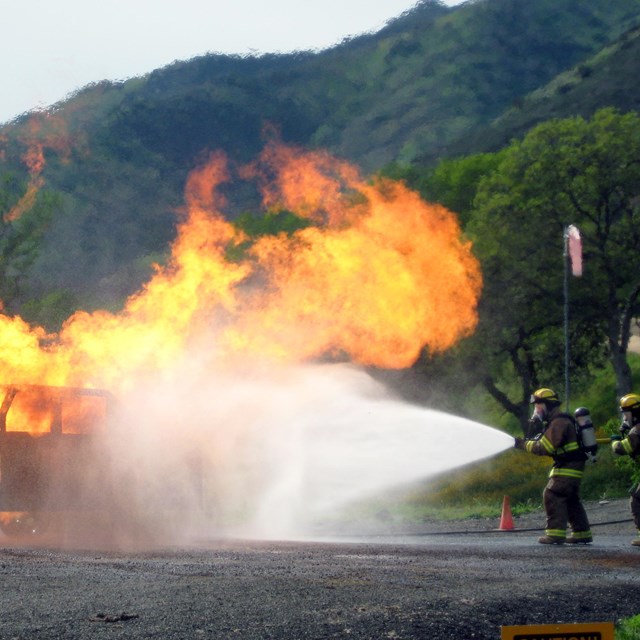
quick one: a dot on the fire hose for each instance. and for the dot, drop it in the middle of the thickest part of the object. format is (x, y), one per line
(427, 534)
(484, 531)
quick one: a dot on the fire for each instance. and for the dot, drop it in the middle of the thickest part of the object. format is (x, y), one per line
(34, 160)
(27, 201)
(41, 410)
(43, 130)
(383, 276)
(380, 275)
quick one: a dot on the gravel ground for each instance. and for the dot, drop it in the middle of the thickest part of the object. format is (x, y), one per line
(420, 582)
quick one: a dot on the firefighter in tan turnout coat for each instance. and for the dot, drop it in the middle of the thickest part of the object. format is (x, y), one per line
(558, 439)
(628, 443)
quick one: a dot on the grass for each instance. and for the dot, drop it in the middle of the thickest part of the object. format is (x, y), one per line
(628, 629)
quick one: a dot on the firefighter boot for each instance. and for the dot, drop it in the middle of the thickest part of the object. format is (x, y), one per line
(636, 542)
(551, 540)
(580, 537)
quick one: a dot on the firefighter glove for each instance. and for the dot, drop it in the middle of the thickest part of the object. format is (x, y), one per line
(518, 443)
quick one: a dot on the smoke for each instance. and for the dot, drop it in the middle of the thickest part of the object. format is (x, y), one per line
(271, 451)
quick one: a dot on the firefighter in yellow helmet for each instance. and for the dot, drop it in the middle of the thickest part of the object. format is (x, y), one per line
(628, 443)
(558, 439)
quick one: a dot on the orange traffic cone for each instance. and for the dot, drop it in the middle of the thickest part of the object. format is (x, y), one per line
(506, 520)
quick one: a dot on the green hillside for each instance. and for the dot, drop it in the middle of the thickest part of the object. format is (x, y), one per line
(604, 79)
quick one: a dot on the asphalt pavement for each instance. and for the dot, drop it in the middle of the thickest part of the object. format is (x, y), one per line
(398, 582)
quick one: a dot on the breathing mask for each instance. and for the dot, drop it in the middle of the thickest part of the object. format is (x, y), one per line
(627, 421)
(540, 411)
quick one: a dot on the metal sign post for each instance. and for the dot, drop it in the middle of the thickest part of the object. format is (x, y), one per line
(572, 255)
(566, 317)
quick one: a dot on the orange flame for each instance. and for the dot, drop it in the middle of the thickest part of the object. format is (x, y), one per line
(26, 201)
(46, 130)
(381, 275)
(34, 159)
(43, 130)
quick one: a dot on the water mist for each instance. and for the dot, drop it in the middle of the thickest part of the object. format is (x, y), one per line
(269, 452)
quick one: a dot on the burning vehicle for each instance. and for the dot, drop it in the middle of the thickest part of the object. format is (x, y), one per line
(49, 453)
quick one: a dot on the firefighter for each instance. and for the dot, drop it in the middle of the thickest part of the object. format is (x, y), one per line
(561, 496)
(628, 443)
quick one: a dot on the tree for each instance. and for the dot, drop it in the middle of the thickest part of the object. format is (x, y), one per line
(563, 172)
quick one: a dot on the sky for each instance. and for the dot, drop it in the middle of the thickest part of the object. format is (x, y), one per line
(51, 48)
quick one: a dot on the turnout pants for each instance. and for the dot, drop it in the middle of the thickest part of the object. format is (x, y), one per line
(562, 505)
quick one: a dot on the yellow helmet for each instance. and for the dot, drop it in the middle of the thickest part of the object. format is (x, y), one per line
(630, 402)
(544, 395)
